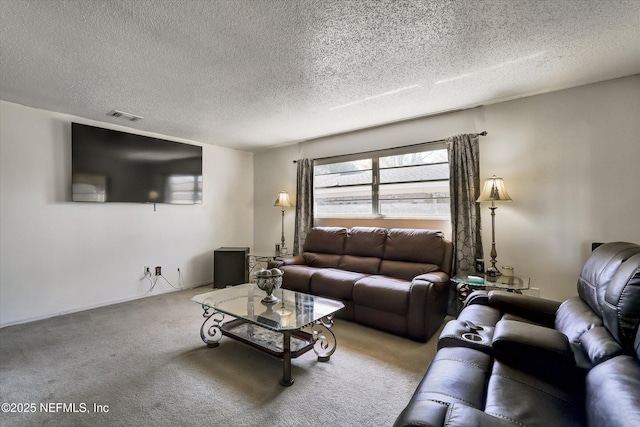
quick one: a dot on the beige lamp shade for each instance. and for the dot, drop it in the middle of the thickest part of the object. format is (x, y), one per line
(283, 200)
(493, 189)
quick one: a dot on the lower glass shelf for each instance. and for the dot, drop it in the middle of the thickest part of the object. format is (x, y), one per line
(266, 339)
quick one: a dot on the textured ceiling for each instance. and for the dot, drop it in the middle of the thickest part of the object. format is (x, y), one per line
(254, 73)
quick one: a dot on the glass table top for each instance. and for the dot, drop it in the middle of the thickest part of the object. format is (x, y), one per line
(500, 282)
(293, 311)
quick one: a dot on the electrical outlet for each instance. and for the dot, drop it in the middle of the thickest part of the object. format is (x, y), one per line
(158, 271)
(146, 271)
(534, 292)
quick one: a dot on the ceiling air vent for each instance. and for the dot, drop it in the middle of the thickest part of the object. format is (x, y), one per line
(123, 115)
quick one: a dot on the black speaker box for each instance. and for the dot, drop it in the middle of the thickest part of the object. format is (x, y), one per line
(230, 267)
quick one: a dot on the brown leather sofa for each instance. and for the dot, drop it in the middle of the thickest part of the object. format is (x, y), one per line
(540, 362)
(396, 280)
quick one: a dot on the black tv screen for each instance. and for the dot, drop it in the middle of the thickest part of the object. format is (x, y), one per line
(113, 166)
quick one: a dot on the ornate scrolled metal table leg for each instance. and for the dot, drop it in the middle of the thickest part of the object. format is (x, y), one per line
(210, 331)
(325, 339)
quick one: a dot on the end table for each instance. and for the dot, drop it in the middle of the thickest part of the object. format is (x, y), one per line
(465, 285)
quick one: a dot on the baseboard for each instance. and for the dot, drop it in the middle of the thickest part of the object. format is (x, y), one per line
(91, 307)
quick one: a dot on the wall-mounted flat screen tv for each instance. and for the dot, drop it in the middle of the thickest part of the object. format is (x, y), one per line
(113, 166)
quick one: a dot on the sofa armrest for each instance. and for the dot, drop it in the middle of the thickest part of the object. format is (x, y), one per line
(292, 260)
(538, 310)
(275, 263)
(428, 300)
(541, 351)
(477, 297)
(522, 340)
(433, 277)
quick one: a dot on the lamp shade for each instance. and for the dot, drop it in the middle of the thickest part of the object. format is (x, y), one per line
(493, 189)
(283, 200)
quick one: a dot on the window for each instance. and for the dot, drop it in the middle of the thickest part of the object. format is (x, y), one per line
(402, 183)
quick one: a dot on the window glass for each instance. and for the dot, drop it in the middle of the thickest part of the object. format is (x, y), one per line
(419, 199)
(417, 158)
(343, 202)
(343, 189)
(395, 184)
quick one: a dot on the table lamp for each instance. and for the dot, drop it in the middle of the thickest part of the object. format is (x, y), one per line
(493, 190)
(283, 201)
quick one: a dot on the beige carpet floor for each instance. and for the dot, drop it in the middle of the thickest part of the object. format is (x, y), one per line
(143, 363)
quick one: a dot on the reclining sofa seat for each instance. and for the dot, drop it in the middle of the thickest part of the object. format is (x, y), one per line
(588, 374)
(590, 321)
(396, 280)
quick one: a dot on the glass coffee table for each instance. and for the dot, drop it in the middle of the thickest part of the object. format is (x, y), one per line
(295, 324)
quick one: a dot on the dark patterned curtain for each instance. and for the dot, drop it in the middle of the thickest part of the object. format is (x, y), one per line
(304, 204)
(464, 183)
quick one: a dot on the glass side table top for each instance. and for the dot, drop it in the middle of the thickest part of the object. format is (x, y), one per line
(262, 257)
(293, 311)
(510, 283)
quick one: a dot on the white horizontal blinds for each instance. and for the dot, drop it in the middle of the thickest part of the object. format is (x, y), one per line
(343, 189)
(415, 185)
(412, 182)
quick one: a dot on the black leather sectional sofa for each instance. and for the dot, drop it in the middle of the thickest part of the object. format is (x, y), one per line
(513, 360)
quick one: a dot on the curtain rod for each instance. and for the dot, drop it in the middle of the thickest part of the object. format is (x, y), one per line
(483, 133)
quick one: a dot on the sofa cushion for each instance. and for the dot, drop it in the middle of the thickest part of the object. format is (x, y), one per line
(598, 345)
(612, 397)
(297, 277)
(574, 318)
(333, 283)
(428, 413)
(412, 245)
(599, 269)
(620, 312)
(456, 375)
(328, 240)
(405, 270)
(526, 400)
(382, 293)
(321, 260)
(359, 264)
(365, 242)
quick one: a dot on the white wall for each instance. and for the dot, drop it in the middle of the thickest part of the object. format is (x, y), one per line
(57, 256)
(569, 160)
(274, 172)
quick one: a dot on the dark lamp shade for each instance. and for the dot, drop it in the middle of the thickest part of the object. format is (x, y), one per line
(493, 189)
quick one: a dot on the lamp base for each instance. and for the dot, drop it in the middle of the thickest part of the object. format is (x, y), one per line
(493, 272)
